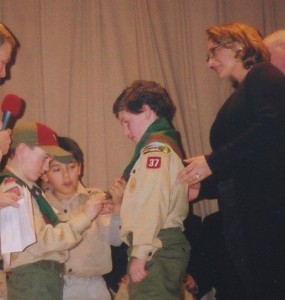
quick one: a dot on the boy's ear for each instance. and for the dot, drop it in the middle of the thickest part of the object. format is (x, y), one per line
(147, 110)
(21, 148)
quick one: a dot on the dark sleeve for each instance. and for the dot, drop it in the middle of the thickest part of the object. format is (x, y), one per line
(208, 189)
(264, 88)
(197, 264)
(119, 262)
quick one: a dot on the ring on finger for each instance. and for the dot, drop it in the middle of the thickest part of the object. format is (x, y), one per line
(197, 176)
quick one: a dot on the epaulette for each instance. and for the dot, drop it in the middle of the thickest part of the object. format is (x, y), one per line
(8, 180)
(10, 187)
(93, 191)
(156, 148)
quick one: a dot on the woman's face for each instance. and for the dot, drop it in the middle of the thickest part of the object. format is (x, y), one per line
(224, 61)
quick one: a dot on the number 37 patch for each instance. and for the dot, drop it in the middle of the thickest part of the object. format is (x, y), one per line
(153, 162)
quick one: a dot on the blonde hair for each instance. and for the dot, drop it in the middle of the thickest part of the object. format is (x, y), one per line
(6, 36)
(276, 38)
(253, 48)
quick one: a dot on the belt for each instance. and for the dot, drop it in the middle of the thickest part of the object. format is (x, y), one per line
(50, 264)
(170, 229)
(130, 238)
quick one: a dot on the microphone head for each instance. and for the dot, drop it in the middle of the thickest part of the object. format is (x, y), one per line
(13, 104)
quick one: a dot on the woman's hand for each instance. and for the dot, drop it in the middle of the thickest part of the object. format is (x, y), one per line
(193, 191)
(195, 172)
(8, 199)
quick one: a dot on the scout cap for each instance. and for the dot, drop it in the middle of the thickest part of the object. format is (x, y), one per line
(38, 135)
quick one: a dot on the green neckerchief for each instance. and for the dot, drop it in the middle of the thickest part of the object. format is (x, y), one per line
(49, 215)
(159, 131)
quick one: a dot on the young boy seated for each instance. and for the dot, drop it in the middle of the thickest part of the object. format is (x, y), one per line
(36, 272)
(91, 258)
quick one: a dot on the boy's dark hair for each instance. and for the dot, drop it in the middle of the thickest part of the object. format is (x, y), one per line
(71, 146)
(143, 92)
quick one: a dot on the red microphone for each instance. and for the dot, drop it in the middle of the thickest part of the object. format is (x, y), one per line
(12, 108)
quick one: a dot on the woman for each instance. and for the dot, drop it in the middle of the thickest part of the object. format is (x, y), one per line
(154, 204)
(245, 169)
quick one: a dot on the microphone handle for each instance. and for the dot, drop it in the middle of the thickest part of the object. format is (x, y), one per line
(7, 119)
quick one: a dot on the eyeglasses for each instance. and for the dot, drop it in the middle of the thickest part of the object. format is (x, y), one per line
(212, 51)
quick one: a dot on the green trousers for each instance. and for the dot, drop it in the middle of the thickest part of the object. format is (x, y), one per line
(41, 280)
(166, 269)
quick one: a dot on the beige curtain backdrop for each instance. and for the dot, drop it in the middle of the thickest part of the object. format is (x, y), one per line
(76, 56)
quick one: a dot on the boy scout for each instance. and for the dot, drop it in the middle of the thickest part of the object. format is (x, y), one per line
(91, 258)
(154, 204)
(36, 272)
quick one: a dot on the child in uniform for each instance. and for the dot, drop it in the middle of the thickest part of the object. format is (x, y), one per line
(91, 258)
(36, 272)
(154, 205)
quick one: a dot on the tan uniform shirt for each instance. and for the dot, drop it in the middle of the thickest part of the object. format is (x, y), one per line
(92, 256)
(52, 242)
(153, 200)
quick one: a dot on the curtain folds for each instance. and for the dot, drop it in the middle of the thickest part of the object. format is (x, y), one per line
(76, 56)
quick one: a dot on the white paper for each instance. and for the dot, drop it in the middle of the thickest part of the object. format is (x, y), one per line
(17, 225)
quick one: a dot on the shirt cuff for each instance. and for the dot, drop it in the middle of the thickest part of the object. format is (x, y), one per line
(115, 219)
(145, 252)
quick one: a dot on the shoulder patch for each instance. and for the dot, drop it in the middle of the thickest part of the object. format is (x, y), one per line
(9, 180)
(10, 186)
(159, 148)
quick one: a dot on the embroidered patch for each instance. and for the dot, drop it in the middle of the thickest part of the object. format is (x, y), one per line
(9, 180)
(133, 184)
(153, 148)
(14, 190)
(153, 162)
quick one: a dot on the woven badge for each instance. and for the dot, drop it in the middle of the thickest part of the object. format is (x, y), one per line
(153, 162)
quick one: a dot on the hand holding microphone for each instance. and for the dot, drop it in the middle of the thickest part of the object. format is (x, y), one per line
(12, 108)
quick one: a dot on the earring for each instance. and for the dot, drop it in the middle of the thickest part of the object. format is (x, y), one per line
(237, 53)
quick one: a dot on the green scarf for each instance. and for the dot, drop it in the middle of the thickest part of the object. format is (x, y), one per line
(48, 214)
(159, 131)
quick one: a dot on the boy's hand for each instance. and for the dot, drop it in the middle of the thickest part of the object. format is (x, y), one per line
(125, 279)
(137, 270)
(95, 205)
(117, 192)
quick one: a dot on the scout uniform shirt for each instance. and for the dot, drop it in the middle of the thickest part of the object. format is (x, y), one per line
(153, 200)
(92, 256)
(52, 242)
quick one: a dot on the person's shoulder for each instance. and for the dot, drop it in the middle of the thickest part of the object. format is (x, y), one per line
(265, 68)
(82, 189)
(10, 185)
(263, 75)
